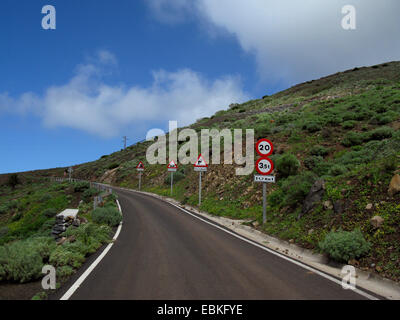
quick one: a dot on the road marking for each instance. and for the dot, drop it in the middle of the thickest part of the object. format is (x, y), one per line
(360, 292)
(82, 278)
(324, 275)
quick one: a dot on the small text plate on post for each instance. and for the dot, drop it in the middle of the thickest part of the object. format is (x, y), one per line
(267, 179)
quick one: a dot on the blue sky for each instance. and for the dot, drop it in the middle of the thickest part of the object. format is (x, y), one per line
(114, 68)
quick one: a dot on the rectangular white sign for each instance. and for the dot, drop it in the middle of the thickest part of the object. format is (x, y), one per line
(200, 169)
(172, 169)
(140, 170)
(268, 179)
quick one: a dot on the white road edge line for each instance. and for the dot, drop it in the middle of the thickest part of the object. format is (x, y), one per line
(82, 278)
(328, 277)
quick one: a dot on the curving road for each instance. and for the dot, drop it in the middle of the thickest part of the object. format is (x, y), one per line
(164, 253)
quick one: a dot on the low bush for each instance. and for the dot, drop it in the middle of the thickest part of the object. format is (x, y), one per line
(50, 212)
(348, 124)
(107, 215)
(337, 170)
(380, 133)
(287, 165)
(89, 194)
(81, 186)
(296, 188)
(178, 176)
(319, 151)
(312, 126)
(353, 139)
(22, 261)
(343, 246)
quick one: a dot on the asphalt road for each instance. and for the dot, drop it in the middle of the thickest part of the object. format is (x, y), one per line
(164, 253)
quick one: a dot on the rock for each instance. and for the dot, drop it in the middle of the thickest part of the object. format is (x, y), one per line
(255, 224)
(314, 196)
(76, 223)
(71, 239)
(369, 206)
(310, 232)
(394, 186)
(373, 265)
(353, 262)
(328, 205)
(378, 268)
(338, 207)
(61, 241)
(82, 220)
(291, 241)
(377, 221)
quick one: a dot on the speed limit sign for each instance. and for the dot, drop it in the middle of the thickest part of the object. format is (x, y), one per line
(264, 166)
(264, 148)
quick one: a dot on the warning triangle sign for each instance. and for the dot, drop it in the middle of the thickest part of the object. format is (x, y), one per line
(201, 163)
(172, 165)
(140, 166)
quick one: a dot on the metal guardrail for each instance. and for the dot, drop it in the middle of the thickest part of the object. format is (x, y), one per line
(97, 185)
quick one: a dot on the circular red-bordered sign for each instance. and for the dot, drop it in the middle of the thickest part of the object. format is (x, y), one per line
(264, 148)
(264, 166)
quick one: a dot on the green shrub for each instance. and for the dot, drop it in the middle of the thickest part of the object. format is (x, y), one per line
(108, 215)
(348, 125)
(89, 237)
(50, 212)
(296, 188)
(381, 133)
(81, 186)
(178, 176)
(343, 246)
(312, 126)
(311, 162)
(64, 257)
(353, 139)
(337, 170)
(13, 180)
(287, 165)
(89, 194)
(319, 151)
(22, 260)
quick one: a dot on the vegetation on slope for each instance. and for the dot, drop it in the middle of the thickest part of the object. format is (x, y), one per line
(342, 129)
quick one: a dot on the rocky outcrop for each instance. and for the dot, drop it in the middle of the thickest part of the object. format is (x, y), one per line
(377, 221)
(394, 186)
(314, 196)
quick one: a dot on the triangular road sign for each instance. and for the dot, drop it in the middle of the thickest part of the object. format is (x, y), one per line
(201, 162)
(172, 165)
(140, 166)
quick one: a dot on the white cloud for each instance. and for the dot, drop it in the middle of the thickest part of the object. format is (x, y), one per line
(294, 41)
(87, 103)
(168, 11)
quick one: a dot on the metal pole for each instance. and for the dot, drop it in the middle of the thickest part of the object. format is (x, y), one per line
(264, 203)
(172, 182)
(200, 188)
(140, 180)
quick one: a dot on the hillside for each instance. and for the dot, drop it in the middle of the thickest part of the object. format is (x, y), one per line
(341, 129)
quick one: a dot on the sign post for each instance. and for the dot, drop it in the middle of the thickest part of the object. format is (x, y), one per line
(264, 167)
(70, 170)
(200, 166)
(172, 167)
(140, 169)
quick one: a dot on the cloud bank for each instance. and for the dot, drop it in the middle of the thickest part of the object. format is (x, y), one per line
(294, 41)
(86, 103)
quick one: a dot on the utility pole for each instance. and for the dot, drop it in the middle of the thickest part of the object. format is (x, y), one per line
(125, 139)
